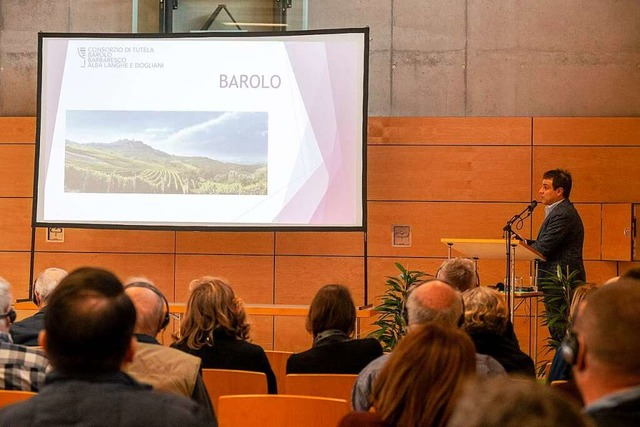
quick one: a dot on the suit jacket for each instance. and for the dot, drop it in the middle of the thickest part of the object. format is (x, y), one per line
(25, 332)
(560, 240)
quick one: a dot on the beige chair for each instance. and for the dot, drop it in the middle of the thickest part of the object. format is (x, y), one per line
(278, 362)
(222, 382)
(7, 397)
(337, 386)
(280, 411)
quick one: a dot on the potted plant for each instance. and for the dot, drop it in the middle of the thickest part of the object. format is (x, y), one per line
(557, 291)
(391, 322)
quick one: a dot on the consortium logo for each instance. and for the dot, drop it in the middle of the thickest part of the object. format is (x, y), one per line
(82, 53)
(249, 81)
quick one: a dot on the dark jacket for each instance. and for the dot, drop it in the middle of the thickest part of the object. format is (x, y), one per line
(114, 400)
(560, 240)
(343, 357)
(623, 414)
(229, 352)
(25, 332)
(504, 351)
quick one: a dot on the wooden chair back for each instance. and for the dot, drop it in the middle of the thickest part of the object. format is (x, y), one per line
(278, 362)
(222, 382)
(7, 397)
(337, 386)
(280, 411)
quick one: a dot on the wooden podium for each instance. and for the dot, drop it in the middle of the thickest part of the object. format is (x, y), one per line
(496, 249)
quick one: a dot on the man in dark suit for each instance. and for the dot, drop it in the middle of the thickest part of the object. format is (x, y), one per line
(26, 331)
(561, 235)
(603, 349)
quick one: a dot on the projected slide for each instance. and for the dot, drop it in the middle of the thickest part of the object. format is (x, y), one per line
(202, 131)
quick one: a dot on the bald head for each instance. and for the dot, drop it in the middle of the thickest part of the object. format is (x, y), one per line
(434, 301)
(149, 309)
(608, 324)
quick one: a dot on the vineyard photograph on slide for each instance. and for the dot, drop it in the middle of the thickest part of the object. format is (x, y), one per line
(192, 153)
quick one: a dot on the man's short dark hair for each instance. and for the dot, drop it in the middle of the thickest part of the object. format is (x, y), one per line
(332, 308)
(560, 178)
(633, 273)
(89, 323)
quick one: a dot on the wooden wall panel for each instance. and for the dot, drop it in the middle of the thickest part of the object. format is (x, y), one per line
(320, 243)
(290, 334)
(298, 278)
(16, 170)
(224, 243)
(156, 267)
(600, 271)
(467, 173)
(586, 131)
(600, 174)
(450, 130)
(616, 231)
(100, 240)
(432, 221)
(15, 224)
(18, 129)
(250, 276)
(14, 268)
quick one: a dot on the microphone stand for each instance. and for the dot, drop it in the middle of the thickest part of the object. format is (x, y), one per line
(507, 234)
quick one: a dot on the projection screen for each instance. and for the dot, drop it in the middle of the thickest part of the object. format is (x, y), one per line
(202, 131)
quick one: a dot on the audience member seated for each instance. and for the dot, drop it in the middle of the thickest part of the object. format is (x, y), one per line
(22, 368)
(508, 402)
(166, 369)
(88, 336)
(462, 274)
(604, 349)
(485, 319)
(434, 301)
(420, 383)
(332, 322)
(26, 331)
(632, 273)
(560, 370)
(215, 329)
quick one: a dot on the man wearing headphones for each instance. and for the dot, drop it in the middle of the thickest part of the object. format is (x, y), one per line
(21, 368)
(432, 301)
(165, 368)
(604, 349)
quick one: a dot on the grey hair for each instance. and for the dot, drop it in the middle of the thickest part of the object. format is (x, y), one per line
(5, 296)
(47, 282)
(461, 273)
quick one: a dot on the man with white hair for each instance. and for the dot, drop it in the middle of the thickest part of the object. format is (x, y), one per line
(21, 368)
(26, 331)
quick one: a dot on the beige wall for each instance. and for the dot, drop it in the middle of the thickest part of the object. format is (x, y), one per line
(428, 57)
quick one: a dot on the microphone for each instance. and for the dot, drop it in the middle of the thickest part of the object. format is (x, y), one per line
(532, 206)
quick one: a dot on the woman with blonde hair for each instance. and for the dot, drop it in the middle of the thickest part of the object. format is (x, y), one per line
(215, 329)
(421, 381)
(485, 319)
